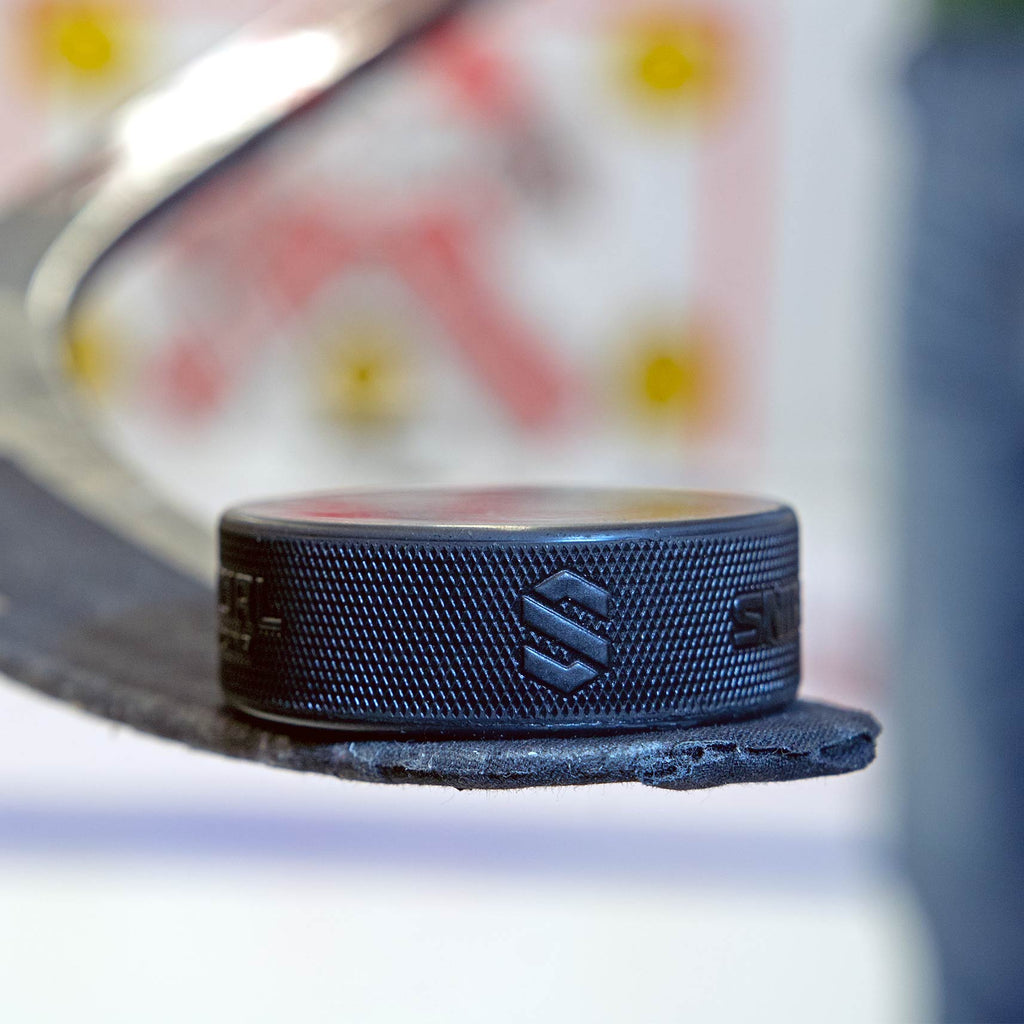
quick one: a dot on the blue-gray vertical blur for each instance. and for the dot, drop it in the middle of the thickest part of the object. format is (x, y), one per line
(963, 474)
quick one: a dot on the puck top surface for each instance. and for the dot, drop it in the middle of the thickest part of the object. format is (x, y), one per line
(497, 510)
(509, 611)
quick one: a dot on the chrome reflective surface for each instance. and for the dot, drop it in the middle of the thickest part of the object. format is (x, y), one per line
(152, 150)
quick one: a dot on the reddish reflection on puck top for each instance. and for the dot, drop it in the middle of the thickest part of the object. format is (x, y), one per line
(519, 508)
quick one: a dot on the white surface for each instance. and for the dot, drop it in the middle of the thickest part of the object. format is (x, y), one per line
(156, 942)
(142, 881)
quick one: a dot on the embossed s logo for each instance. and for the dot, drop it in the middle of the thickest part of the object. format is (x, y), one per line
(544, 611)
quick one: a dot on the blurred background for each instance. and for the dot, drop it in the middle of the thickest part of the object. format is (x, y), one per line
(650, 242)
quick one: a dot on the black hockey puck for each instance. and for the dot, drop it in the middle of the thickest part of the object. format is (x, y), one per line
(509, 611)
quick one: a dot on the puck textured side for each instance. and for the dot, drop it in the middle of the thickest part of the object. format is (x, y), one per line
(438, 629)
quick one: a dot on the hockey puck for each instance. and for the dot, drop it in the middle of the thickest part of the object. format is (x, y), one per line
(509, 611)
